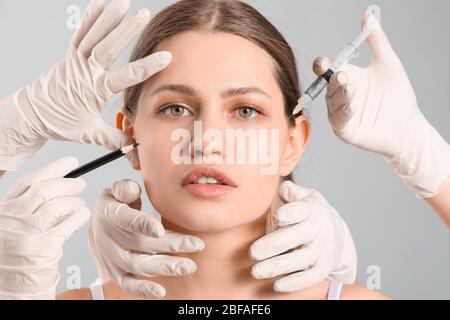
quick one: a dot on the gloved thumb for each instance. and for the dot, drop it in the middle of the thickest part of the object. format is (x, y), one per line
(111, 138)
(378, 42)
(290, 192)
(127, 192)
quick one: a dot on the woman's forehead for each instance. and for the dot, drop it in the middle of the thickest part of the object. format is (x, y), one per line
(219, 60)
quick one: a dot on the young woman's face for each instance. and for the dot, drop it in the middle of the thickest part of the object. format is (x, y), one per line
(227, 84)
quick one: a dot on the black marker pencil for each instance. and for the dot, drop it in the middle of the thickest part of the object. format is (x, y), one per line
(100, 162)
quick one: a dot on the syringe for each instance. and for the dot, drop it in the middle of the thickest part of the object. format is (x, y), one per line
(350, 50)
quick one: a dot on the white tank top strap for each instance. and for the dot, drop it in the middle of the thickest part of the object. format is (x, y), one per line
(334, 293)
(97, 292)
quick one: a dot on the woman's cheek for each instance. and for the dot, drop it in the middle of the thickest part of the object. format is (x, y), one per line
(155, 155)
(257, 193)
(158, 172)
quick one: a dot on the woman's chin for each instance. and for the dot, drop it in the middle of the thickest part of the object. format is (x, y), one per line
(205, 220)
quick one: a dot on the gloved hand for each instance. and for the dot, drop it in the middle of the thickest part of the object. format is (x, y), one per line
(66, 103)
(375, 108)
(318, 240)
(126, 243)
(37, 216)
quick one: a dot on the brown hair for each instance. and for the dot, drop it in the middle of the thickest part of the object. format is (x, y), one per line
(215, 16)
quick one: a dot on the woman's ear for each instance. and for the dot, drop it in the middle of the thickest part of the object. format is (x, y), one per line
(298, 139)
(123, 123)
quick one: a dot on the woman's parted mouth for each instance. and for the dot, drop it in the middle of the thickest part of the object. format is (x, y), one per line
(207, 181)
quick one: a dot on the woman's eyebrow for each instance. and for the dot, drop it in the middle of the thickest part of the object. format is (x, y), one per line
(190, 91)
(176, 88)
(239, 91)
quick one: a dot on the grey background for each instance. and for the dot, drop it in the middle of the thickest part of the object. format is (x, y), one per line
(392, 229)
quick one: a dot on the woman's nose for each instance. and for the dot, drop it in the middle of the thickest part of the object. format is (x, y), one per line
(208, 140)
(208, 152)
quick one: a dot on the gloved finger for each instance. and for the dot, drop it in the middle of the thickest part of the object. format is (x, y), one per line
(321, 65)
(342, 98)
(67, 228)
(43, 192)
(297, 260)
(109, 49)
(51, 213)
(128, 219)
(295, 212)
(378, 42)
(53, 170)
(125, 218)
(90, 16)
(142, 288)
(144, 265)
(111, 138)
(136, 72)
(282, 240)
(170, 242)
(108, 20)
(290, 192)
(338, 80)
(342, 116)
(126, 191)
(298, 281)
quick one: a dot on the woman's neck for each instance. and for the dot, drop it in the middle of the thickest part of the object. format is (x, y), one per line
(224, 266)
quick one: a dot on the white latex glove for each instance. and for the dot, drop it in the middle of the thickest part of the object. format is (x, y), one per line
(375, 108)
(67, 102)
(127, 244)
(37, 216)
(318, 240)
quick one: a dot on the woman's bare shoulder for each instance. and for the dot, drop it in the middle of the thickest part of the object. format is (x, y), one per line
(357, 292)
(348, 292)
(78, 294)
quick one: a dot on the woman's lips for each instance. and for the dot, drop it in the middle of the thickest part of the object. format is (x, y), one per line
(208, 190)
(225, 183)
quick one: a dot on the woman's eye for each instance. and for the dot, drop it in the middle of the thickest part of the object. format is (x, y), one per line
(176, 111)
(247, 112)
